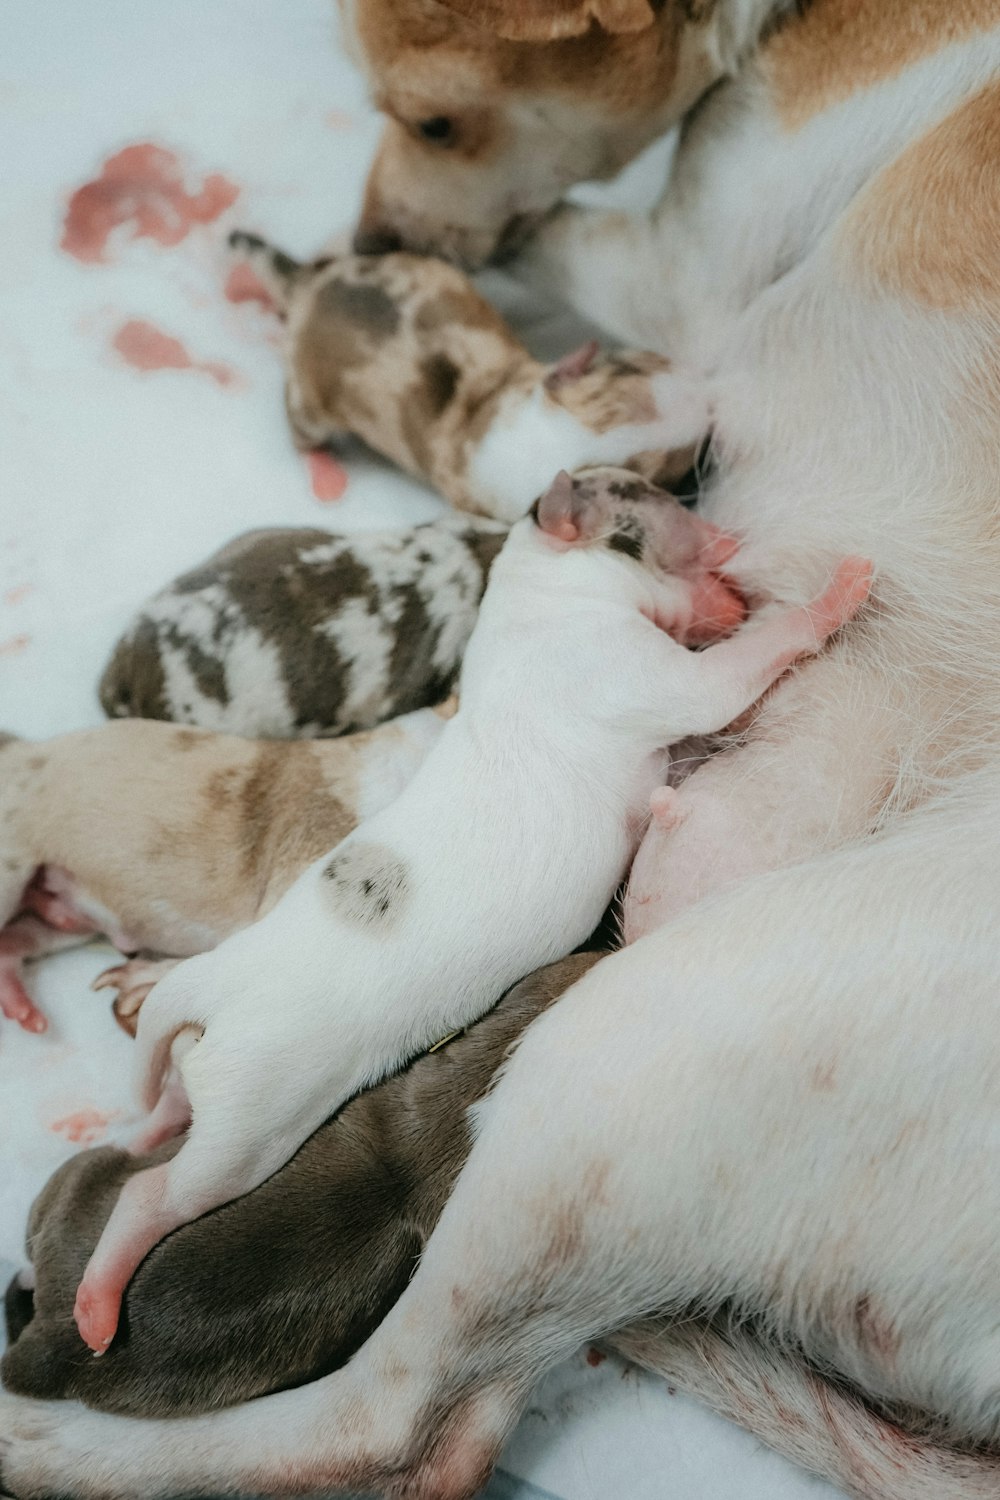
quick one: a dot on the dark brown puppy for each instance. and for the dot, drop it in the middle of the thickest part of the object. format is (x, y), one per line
(282, 1285)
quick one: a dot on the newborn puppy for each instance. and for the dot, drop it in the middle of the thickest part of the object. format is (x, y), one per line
(499, 856)
(169, 839)
(312, 1259)
(402, 351)
(300, 633)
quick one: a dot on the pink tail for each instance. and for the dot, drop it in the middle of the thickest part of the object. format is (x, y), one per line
(805, 1418)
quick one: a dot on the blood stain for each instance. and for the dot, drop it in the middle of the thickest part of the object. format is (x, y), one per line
(15, 644)
(327, 477)
(243, 285)
(141, 186)
(84, 1126)
(146, 348)
(595, 1358)
(19, 594)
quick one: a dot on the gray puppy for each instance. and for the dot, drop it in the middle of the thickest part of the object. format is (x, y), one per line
(280, 1286)
(300, 633)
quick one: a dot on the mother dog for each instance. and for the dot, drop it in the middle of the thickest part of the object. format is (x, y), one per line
(778, 1112)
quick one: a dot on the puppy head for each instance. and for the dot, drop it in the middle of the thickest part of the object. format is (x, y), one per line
(644, 527)
(622, 511)
(495, 107)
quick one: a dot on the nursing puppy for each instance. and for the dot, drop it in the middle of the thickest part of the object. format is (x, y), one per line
(296, 633)
(501, 854)
(314, 1257)
(403, 352)
(113, 830)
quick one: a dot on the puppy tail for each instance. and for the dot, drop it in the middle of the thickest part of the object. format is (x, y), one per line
(815, 1423)
(278, 272)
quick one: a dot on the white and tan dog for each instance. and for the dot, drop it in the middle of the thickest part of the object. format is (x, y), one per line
(782, 1104)
(500, 855)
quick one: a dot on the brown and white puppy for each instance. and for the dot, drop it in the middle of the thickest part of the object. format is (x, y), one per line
(403, 351)
(298, 633)
(313, 1258)
(168, 840)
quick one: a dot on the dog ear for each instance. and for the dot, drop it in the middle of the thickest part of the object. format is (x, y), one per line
(572, 366)
(553, 20)
(559, 512)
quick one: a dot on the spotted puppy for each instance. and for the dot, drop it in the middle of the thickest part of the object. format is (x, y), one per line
(499, 856)
(314, 1257)
(402, 351)
(298, 633)
(169, 839)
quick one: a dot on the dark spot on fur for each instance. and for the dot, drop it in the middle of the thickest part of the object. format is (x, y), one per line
(222, 786)
(370, 883)
(629, 538)
(37, 762)
(629, 489)
(187, 739)
(440, 376)
(369, 306)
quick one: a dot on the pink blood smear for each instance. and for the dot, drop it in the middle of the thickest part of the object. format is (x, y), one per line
(242, 285)
(84, 1127)
(19, 594)
(141, 186)
(327, 477)
(146, 347)
(14, 645)
(595, 1358)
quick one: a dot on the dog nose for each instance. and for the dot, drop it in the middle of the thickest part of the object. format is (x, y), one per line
(376, 240)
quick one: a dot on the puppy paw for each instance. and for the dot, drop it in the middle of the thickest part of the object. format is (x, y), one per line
(133, 981)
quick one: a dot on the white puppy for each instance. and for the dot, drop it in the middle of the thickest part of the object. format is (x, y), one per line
(500, 856)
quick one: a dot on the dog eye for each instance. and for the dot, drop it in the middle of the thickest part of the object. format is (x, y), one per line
(438, 129)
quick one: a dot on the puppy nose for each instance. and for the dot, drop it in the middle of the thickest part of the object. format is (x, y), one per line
(376, 240)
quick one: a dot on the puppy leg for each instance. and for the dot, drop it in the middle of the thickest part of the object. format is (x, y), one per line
(133, 981)
(724, 681)
(27, 937)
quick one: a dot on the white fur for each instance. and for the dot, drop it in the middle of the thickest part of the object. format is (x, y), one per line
(532, 437)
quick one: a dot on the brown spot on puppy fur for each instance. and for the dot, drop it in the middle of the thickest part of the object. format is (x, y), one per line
(313, 1258)
(371, 308)
(369, 883)
(839, 47)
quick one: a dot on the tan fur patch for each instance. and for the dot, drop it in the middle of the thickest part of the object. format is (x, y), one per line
(621, 73)
(840, 47)
(929, 226)
(615, 393)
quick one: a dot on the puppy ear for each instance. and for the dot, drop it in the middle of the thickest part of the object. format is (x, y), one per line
(552, 20)
(572, 366)
(559, 512)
